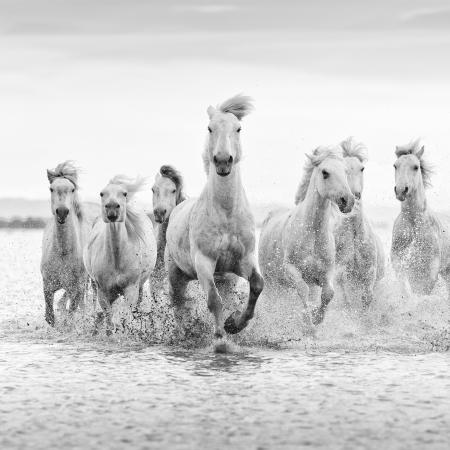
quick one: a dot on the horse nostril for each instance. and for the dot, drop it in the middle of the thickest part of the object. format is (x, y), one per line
(215, 159)
(358, 195)
(343, 200)
(230, 159)
(406, 189)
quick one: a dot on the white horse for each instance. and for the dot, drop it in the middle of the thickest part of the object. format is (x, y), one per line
(121, 251)
(64, 238)
(215, 233)
(297, 245)
(420, 240)
(168, 192)
(359, 253)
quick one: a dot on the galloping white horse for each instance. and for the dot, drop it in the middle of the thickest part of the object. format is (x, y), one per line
(297, 245)
(420, 241)
(215, 233)
(168, 192)
(121, 251)
(64, 238)
(359, 252)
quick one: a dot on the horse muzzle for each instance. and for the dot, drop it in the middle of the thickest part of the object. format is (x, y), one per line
(160, 215)
(223, 165)
(112, 216)
(345, 204)
(401, 194)
(61, 214)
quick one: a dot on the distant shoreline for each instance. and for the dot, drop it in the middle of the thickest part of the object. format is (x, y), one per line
(23, 223)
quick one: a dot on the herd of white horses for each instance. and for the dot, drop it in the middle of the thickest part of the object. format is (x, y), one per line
(325, 239)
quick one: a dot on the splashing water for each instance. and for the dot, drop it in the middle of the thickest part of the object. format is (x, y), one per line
(361, 379)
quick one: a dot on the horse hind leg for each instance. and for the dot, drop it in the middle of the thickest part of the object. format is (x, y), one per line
(105, 314)
(237, 321)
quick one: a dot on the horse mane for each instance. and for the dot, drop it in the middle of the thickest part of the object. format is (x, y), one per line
(134, 221)
(312, 161)
(351, 148)
(175, 176)
(240, 105)
(413, 148)
(69, 171)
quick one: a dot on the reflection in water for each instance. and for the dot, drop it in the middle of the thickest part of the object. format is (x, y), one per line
(360, 382)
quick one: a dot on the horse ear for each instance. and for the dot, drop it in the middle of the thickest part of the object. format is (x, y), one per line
(211, 111)
(419, 154)
(50, 176)
(157, 176)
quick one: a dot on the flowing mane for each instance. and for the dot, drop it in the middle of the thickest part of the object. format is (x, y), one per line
(413, 148)
(69, 171)
(134, 221)
(312, 161)
(351, 148)
(240, 105)
(175, 176)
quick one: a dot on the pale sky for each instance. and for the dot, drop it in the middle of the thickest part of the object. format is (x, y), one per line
(122, 86)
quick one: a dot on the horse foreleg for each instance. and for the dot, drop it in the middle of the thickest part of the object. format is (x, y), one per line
(49, 313)
(237, 321)
(205, 268)
(107, 312)
(325, 298)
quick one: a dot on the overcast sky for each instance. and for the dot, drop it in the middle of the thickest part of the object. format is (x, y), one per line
(122, 86)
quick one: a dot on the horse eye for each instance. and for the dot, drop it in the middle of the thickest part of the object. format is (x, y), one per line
(395, 167)
(238, 130)
(125, 194)
(101, 194)
(209, 129)
(73, 190)
(416, 167)
(362, 169)
(325, 174)
(51, 189)
(173, 192)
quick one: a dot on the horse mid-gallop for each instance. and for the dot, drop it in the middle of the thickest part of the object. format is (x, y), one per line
(297, 245)
(420, 242)
(215, 233)
(64, 238)
(359, 253)
(121, 250)
(168, 192)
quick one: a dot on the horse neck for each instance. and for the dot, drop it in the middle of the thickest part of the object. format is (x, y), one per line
(161, 244)
(67, 236)
(116, 237)
(414, 208)
(225, 192)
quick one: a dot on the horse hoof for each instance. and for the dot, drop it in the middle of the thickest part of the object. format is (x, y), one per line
(230, 324)
(221, 347)
(50, 321)
(317, 316)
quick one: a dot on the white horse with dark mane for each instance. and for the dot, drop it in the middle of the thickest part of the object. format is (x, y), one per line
(297, 245)
(420, 241)
(215, 233)
(168, 192)
(121, 251)
(64, 238)
(360, 261)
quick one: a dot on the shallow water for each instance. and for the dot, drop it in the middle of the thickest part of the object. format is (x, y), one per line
(362, 381)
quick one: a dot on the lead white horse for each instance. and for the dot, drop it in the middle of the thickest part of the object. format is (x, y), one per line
(360, 261)
(420, 241)
(297, 245)
(215, 233)
(121, 251)
(64, 238)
